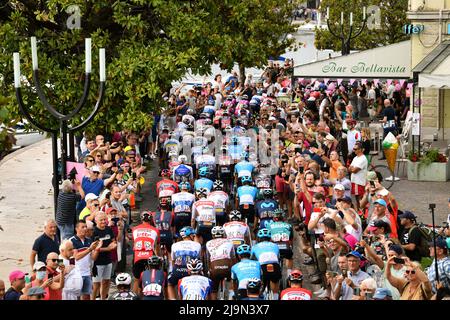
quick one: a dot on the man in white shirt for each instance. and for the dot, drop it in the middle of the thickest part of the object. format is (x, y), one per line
(358, 170)
(353, 134)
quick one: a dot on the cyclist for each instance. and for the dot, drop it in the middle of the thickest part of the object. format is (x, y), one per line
(245, 200)
(265, 209)
(283, 235)
(203, 181)
(203, 216)
(221, 202)
(267, 253)
(183, 172)
(236, 230)
(195, 286)
(295, 290)
(182, 206)
(145, 244)
(164, 222)
(153, 280)
(182, 252)
(243, 169)
(253, 289)
(220, 258)
(206, 160)
(244, 270)
(166, 183)
(235, 149)
(123, 283)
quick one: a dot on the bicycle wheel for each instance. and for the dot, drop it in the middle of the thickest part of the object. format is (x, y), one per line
(387, 176)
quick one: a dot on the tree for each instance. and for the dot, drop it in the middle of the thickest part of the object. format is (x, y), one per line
(251, 31)
(147, 47)
(393, 17)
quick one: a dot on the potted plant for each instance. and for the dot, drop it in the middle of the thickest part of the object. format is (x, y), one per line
(431, 166)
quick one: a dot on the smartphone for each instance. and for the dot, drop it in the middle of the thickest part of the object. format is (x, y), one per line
(60, 262)
(356, 291)
(321, 238)
(96, 238)
(72, 261)
(344, 273)
(115, 220)
(50, 276)
(369, 295)
(134, 175)
(399, 260)
(301, 169)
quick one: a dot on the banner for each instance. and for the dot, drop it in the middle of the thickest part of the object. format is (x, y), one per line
(78, 167)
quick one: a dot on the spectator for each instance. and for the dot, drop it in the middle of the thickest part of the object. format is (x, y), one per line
(367, 290)
(382, 294)
(358, 169)
(57, 277)
(355, 276)
(17, 280)
(343, 180)
(92, 207)
(66, 208)
(443, 264)
(46, 243)
(36, 293)
(39, 279)
(415, 286)
(103, 265)
(379, 213)
(411, 237)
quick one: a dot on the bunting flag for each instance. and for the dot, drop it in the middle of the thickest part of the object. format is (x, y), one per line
(313, 81)
(388, 82)
(364, 81)
(326, 80)
(300, 80)
(410, 85)
(352, 81)
(376, 81)
(339, 81)
(402, 82)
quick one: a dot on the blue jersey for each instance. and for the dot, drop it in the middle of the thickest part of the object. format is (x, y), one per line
(245, 270)
(182, 173)
(247, 194)
(203, 183)
(244, 168)
(264, 211)
(281, 231)
(235, 151)
(266, 252)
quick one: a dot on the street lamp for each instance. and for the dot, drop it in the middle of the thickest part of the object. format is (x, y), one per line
(64, 129)
(353, 33)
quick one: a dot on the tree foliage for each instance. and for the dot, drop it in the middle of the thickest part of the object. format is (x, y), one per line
(393, 17)
(149, 44)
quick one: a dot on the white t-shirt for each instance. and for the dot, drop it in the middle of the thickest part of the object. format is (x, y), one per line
(359, 178)
(352, 136)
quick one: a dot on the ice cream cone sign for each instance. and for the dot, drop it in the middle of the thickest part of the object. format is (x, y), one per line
(390, 148)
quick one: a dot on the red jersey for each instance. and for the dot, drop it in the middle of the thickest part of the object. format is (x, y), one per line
(307, 205)
(145, 237)
(295, 294)
(166, 184)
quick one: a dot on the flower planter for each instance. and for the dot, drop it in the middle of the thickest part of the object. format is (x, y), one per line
(436, 171)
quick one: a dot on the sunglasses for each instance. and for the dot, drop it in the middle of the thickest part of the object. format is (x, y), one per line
(98, 156)
(96, 172)
(410, 271)
(96, 205)
(53, 260)
(91, 160)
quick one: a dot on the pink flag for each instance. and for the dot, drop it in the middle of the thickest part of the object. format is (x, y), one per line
(78, 168)
(364, 81)
(326, 80)
(313, 81)
(352, 81)
(402, 82)
(388, 82)
(300, 80)
(339, 81)
(376, 81)
(410, 85)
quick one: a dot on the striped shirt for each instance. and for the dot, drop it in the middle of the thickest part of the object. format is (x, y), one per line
(444, 273)
(66, 207)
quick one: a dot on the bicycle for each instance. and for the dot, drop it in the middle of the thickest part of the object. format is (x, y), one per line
(385, 175)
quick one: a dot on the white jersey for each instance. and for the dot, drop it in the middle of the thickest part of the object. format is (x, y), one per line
(194, 287)
(205, 160)
(220, 249)
(236, 231)
(220, 199)
(204, 213)
(182, 202)
(183, 251)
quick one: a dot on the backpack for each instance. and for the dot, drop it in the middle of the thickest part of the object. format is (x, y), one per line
(423, 247)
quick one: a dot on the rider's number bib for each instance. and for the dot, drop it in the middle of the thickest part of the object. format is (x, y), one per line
(152, 289)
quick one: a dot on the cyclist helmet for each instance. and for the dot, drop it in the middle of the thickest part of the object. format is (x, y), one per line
(123, 279)
(235, 215)
(165, 128)
(165, 173)
(154, 261)
(204, 115)
(224, 147)
(218, 185)
(184, 186)
(264, 233)
(186, 121)
(182, 158)
(201, 193)
(190, 112)
(244, 97)
(203, 171)
(195, 266)
(186, 232)
(268, 193)
(205, 150)
(243, 249)
(278, 214)
(234, 140)
(146, 216)
(207, 122)
(295, 275)
(218, 232)
(245, 179)
(254, 283)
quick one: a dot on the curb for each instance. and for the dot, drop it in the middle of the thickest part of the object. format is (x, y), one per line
(21, 150)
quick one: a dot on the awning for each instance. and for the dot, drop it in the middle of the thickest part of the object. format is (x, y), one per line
(388, 62)
(434, 69)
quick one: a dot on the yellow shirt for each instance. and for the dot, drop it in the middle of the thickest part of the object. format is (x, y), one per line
(84, 213)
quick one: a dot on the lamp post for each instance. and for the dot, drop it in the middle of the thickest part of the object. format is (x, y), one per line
(353, 32)
(432, 206)
(64, 120)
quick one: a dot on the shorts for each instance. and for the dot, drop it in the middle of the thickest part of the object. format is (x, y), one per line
(86, 289)
(138, 267)
(279, 184)
(182, 220)
(290, 195)
(219, 270)
(221, 219)
(242, 293)
(176, 275)
(357, 190)
(248, 213)
(152, 298)
(205, 232)
(166, 240)
(286, 250)
(274, 275)
(103, 273)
